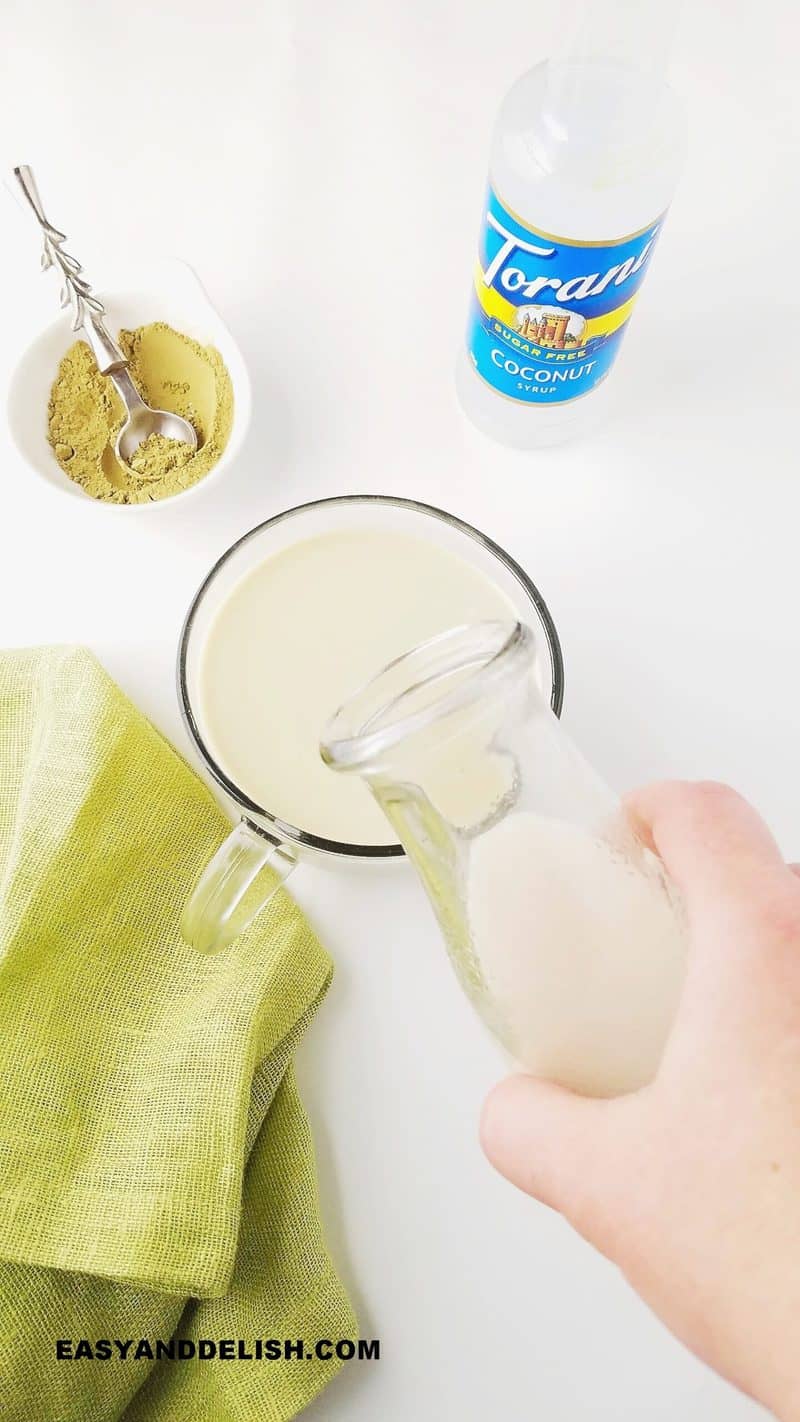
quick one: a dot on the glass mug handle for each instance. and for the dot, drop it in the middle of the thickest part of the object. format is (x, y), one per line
(220, 906)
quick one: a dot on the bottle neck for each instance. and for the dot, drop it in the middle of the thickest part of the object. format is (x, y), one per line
(598, 104)
(604, 90)
(637, 35)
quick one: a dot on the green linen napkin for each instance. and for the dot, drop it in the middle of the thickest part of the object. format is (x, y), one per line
(156, 1166)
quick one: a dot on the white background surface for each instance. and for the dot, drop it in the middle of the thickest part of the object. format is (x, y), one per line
(322, 167)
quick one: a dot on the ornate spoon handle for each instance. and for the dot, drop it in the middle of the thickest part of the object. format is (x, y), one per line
(76, 292)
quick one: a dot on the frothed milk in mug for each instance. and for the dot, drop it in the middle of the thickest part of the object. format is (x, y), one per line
(293, 638)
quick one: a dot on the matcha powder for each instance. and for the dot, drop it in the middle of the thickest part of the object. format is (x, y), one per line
(171, 372)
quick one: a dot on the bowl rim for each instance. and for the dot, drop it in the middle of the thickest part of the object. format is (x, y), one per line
(280, 831)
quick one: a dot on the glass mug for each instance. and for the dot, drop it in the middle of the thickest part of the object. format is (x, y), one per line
(232, 888)
(562, 927)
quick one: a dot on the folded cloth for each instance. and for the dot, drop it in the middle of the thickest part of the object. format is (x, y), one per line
(156, 1166)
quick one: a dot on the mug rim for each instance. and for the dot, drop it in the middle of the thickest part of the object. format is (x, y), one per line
(276, 829)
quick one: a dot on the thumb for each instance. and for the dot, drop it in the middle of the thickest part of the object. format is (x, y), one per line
(571, 1152)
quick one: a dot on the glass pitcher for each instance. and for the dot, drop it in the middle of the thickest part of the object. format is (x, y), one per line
(232, 887)
(562, 927)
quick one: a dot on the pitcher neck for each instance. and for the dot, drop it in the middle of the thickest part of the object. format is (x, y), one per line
(414, 701)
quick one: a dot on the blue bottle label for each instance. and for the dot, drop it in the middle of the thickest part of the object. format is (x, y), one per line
(547, 315)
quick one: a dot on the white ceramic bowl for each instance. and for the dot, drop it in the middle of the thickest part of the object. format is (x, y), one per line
(163, 289)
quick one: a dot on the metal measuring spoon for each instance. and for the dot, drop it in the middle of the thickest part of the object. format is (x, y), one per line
(87, 316)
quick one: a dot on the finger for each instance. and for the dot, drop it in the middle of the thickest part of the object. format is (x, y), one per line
(711, 840)
(567, 1151)
(795, 869)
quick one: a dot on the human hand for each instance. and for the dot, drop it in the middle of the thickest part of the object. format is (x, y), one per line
(692, 1185)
